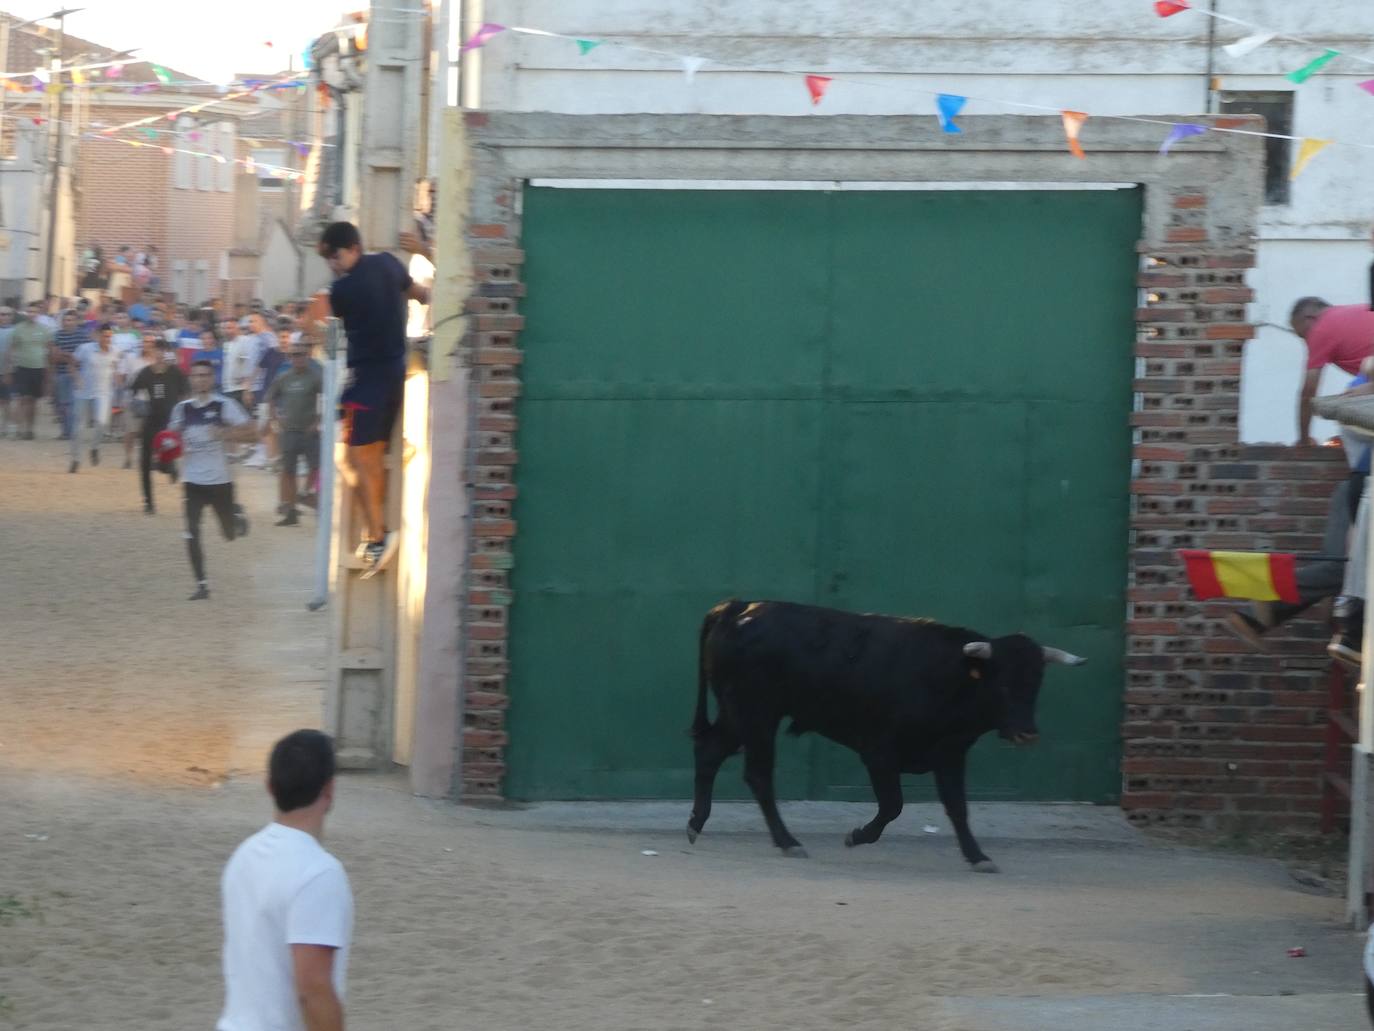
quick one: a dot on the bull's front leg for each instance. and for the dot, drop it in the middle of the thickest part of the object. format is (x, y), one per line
(949, 782)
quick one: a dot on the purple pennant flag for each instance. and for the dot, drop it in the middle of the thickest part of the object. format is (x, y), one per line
(302, 148)
(1181, 131)
(481, 36)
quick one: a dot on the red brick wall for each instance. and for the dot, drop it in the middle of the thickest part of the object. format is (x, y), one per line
(1214, 734)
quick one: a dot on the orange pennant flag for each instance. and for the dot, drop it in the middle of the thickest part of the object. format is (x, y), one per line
(817, 85)
(1073, 122)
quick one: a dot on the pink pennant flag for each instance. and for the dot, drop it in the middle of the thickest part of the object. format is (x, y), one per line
(1169, 8)
(1367, 86)
(816, 85)
(481, 36)
(1073, 123)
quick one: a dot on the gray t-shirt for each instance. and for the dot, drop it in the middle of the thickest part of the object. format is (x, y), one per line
(296, 394)
(199, 423)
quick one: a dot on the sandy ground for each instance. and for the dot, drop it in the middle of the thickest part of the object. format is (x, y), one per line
(133, 727)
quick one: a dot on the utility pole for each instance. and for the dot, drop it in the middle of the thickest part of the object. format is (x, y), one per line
(55, 186)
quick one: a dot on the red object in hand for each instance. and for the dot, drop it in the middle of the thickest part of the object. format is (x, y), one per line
(1167, 8)
(1297, 953)
(167, 445)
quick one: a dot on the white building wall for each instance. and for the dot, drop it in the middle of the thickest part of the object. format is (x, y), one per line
(1115, 57)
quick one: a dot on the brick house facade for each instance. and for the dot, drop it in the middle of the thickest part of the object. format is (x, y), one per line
(1212, 735)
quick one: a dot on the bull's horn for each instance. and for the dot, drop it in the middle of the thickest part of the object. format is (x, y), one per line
(1062, 657)
(978, 650)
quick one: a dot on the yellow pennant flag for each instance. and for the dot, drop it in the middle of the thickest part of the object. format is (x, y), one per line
(78, 77)
(1310, 148)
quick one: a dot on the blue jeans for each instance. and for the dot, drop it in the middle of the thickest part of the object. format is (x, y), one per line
(62, 398)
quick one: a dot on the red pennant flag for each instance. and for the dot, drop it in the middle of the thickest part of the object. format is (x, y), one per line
(816, 85)
(1168, 8)
(1259, 576)
(1073, 122)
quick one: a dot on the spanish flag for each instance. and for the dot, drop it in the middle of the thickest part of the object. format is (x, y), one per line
(1255, 575)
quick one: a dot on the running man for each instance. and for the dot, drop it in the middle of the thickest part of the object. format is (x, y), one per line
(93, 385)
(207, 420)
(286, 903)
(156, 390)
(130, 363)
(293, 405)
(369, 294)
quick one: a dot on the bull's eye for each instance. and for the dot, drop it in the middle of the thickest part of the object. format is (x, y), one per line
(975, 674)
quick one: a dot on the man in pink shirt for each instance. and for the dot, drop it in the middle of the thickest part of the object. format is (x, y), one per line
(1342, 335)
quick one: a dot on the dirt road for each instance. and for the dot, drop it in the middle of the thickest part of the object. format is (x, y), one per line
(133, 727)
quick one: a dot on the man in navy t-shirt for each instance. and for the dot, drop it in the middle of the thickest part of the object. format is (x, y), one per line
(370, 295)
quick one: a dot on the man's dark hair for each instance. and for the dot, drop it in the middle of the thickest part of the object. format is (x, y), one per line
(203, 363)
(340, 236)
(106, 325)
(302, 764)
(1307, 306)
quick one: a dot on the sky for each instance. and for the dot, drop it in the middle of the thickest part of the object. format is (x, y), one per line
(212, 40)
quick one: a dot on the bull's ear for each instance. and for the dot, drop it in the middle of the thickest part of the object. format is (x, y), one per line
(978, 650)
(1063, 658)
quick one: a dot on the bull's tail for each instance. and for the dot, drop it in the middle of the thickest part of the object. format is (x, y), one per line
(701, 723)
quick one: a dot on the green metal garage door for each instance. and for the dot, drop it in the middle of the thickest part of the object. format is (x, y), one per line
(904, 402)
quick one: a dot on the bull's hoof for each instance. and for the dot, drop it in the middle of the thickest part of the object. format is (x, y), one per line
(849, 841)
(985, 866)
(692, 833)
(795, 852)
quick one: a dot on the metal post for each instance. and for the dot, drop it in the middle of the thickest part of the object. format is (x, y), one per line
(324, 527)
(1361, 789)
(54, 187)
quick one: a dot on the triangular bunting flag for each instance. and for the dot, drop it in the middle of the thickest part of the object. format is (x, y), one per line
(163, 75)
(947, 106)
(587, 45)
(78, 77)
(690, 67)
(1181, 132)
(481, 36)
(148, 133)
(1367, 86)
(816, 85)
(1073, 123)
(1310, 148)
(114, 71)
(1249, 44)
(1168, 8)
(1312, 67)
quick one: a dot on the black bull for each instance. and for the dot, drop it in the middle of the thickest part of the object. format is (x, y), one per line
(908, 695)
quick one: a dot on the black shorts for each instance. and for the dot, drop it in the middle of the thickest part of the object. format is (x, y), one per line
(28, 382)
(294, 444)
(218, 496)
(371, 403)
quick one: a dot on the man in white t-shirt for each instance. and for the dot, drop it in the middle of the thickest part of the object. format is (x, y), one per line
(287, 905)
(93, 393)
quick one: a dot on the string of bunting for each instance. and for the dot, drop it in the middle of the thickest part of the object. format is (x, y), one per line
(249, 164)
(948, 106)
(172, 116)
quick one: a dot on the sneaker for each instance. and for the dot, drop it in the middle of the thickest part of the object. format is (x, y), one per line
(360, 552)
(290, 519)
(380, 553)
(1248, 629)
(310, 500)
(1345, 648)
(74, 467)
(240, 522)
(95, 456)
(202, 593)
(149, 510)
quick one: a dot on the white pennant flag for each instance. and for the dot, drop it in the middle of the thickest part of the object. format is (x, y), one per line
(1249, 44)
(690, 67)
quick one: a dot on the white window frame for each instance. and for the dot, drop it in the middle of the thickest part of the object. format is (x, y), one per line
(225, 149)
(182, 163)
(205, 166)
(270, 184)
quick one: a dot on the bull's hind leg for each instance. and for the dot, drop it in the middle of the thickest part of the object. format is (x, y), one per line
(711, 749)
(758, 774)
(887, 788)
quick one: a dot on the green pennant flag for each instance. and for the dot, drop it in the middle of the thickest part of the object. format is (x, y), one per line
(149, 133)
(587, 45)
(163, 75)
(1312, 68)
